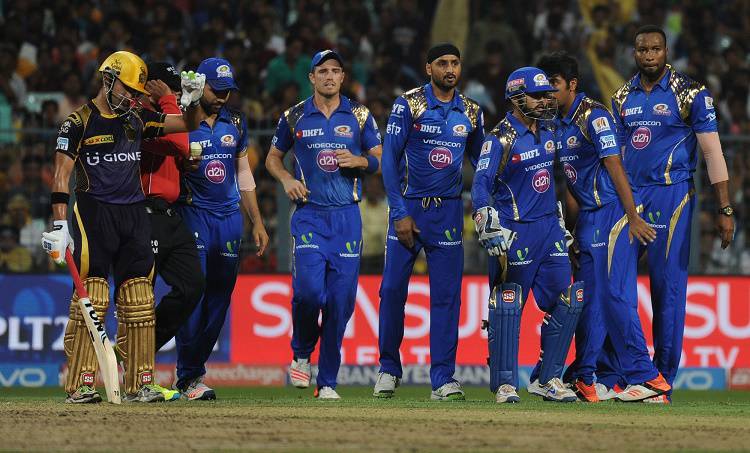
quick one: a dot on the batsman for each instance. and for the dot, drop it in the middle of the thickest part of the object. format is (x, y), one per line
(101, 140)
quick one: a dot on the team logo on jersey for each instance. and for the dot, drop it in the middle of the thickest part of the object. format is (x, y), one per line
(661, 109)
(540, 80)
(223, 71)
(641, 137)
(601, 124)
(486, 147)
(428, 128)
(570, 173)
(460, 130)
(541, 180)
(573, 142)
(215, 171)
(327, 160)
(709, 103)
(607, 141)
(440, 157)
(343, 131)
(509, 296)
(228, 140)
(549, 146)
(304, 133)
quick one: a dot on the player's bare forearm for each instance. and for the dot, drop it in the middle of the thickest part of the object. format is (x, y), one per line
(188, 121)
(250, 205)
(721, 189)
(60, 183)
(275, 165)
(613, 164)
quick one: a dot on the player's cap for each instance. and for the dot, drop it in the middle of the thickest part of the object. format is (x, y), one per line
(219, 74)
(527, 80)
(161, 70)
(323, 56)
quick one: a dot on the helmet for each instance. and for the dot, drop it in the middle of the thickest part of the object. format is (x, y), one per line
(530, 80)
(128, 68)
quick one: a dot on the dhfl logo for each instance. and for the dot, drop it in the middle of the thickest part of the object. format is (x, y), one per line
(440, 158)
(541, 180)
(509, 296)
(327, 160)
(428, 128)
(310, 133)
(570, 173)
(641, 137)
(579, 295)
(216, 172)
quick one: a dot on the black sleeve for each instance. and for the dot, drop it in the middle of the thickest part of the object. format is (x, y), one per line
(153, 123)
(69, 136)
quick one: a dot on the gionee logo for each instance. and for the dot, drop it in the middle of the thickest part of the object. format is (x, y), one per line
(306, 238)
(522, 254)
(651, 216)
(448, 234)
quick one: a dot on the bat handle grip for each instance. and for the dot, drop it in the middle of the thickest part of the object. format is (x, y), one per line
(80, 289)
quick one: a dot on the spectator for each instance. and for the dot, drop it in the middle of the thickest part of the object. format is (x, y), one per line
(29, 230)
(74, 98)
(13, 257)
(291, 66)
(32, 188)
(374, 211)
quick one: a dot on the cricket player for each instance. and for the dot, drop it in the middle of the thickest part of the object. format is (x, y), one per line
(210, 204)
(335, 142)
(102, 140)
(175, 255)
(517, 220)
(609, 230)
(662, 116)
(429, 131)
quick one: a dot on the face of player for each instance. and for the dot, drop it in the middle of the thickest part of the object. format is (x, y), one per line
(124, 98)
(327, 78)
(537, 105)
(565, 90)
(445, 72)
(213, 100)
(650, 54)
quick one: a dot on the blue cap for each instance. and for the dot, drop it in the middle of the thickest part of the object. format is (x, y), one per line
(219, 74)
(527, 80)
(320, 57)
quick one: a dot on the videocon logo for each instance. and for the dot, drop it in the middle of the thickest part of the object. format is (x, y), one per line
(232, 246)
(652, 218)
(522, 254)
(449, 234)
(306, 238)
(596, 235)
(353, 246)
(559, 246)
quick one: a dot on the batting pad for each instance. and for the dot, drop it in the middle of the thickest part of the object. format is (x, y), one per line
(135, 332)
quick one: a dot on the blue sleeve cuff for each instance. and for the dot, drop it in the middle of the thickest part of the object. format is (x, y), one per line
(372, 164)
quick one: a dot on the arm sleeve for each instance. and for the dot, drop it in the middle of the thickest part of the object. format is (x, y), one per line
(489, 160)
(603, 133)
(712, 153)
(70, 135)
(703, 114)
(476, 140)
(282, 139)
(153, 123)
(244, 138)
(170, 144)
(245, 178)
(397, 132)
(370, 134)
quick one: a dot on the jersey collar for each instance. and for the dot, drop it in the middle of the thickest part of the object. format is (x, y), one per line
(663, 82)
(433, 102)
(520, 127)
(345, 106)
(573, 107)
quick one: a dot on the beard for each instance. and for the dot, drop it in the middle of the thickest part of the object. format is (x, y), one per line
(444, 84)
(652, 72)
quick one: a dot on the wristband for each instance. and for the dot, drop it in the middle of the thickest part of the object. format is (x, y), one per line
(59, 198)
(372, 164)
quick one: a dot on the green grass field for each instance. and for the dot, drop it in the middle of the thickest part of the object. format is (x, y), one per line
(287, 419)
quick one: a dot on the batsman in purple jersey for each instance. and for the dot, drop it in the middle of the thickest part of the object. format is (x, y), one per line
(662, 116)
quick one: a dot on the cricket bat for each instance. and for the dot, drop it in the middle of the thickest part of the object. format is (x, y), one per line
(105, 355)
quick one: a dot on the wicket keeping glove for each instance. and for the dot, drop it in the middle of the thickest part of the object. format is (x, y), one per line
(561, 220)
(55, 242)
(492, 236)
(192, 85)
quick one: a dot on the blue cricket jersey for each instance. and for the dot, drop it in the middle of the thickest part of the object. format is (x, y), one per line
(515, 170)
(316, 139)
(585, 136)
(658, 128)
(213, 185)
(424, 146)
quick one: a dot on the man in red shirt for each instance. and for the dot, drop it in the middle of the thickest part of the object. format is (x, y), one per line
(175, 253)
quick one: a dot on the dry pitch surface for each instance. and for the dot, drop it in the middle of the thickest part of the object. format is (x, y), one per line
(286, 419)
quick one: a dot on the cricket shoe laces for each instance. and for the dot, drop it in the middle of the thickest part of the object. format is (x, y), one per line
(506, 393)
(84, 395)
(639, 392)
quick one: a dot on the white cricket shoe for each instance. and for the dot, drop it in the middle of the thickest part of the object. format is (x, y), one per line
(506, 393)
(639, 392)
(554, 390)
(605, 393)
(449, 392)
(386, 385)
(300, 373)
(327, 393)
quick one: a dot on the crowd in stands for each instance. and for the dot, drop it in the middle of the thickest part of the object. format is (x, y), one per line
(50, 52)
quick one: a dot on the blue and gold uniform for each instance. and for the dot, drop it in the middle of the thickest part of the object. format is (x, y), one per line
(423, 154)
(658, 133)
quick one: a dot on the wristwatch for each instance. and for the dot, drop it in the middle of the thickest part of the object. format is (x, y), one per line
(727, 211)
